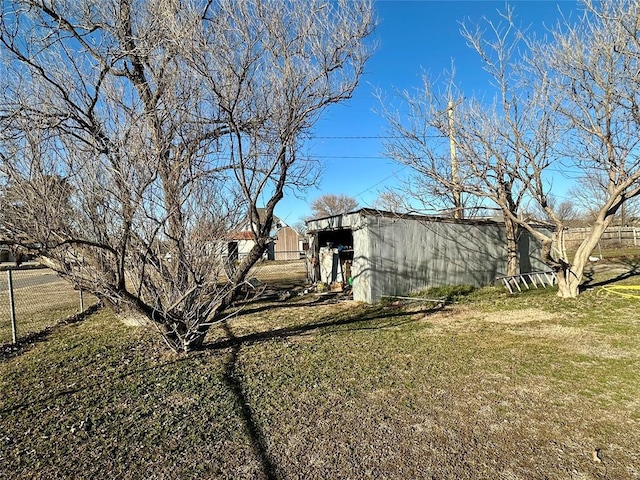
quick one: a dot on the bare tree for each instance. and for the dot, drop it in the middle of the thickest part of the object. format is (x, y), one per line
(574, 100)
(332, 204)
(590, 193)
(465, 149)
(168, 122)
(593, 71)
(392, 201)
(423, 136)
(515, 134)
(565, 210)
(301, 227)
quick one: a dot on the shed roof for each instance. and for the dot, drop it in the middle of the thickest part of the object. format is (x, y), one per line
(343, 221)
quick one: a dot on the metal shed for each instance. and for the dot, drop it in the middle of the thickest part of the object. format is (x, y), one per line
(385, 254)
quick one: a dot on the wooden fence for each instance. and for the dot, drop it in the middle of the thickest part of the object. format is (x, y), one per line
(613, 236)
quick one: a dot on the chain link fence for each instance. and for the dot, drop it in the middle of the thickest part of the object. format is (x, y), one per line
(33, 300)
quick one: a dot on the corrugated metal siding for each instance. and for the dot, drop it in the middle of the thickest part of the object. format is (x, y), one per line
(361, 269)
(397, 255)
(408, 255)
(348, 220)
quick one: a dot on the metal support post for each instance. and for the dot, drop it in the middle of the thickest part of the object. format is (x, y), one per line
(12, 307)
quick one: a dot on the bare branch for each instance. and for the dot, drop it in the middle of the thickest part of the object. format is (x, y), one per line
(134, 136)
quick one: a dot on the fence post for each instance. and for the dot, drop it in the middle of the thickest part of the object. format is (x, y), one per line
(12, 307)
(81, 302)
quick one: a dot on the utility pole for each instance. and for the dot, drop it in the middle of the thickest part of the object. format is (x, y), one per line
(458, 212)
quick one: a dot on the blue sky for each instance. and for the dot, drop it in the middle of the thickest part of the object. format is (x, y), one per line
(412, 37)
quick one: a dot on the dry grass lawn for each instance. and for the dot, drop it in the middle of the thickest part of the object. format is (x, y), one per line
(493, 387)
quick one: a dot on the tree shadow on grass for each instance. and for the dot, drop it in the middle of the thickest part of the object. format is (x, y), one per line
(233, 381)
(275, 304)
(286, 332)
(233, 378)
(633, 269)
(375, 318)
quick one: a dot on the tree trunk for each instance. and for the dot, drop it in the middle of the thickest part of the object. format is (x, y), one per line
(569, 280)
(511, 233)
(191, 341)
(570, 276)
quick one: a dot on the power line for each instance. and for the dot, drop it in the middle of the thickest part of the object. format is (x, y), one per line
(350, 137)
(565, 173)
(351, 157)
(393, 174)
(367, 137)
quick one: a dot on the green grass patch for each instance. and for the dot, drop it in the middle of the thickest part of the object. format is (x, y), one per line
(450, 293)
(36, 322)
(621, 252)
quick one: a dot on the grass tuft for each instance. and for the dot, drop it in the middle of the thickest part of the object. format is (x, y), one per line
(450, 293)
